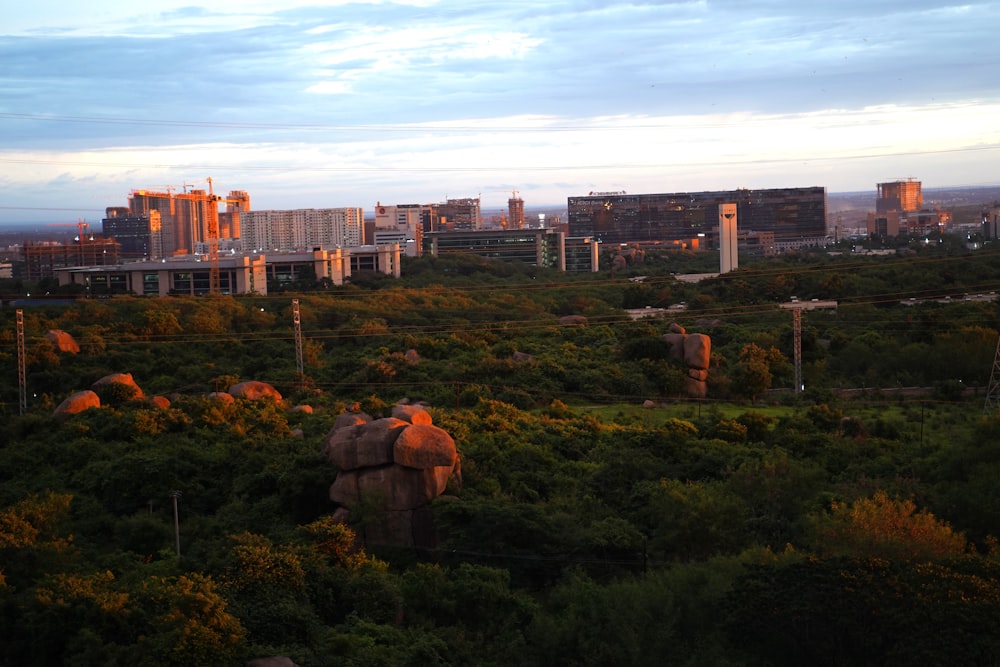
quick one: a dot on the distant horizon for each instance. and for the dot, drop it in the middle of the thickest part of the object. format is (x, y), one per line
(340, 103)
(56, 219)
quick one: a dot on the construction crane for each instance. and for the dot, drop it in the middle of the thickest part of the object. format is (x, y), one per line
(80, 227)
(212, 231)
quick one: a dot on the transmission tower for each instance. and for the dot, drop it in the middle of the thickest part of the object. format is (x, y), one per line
(797, 346)
(993, 391)
(297, 321)
(22, 376)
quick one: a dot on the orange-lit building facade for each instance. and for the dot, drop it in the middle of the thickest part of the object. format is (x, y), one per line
(903, 196)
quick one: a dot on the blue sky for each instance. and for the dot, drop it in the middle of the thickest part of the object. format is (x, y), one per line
(330, 103)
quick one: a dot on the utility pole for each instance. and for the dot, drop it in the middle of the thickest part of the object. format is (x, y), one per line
(177, 524)
(22, 376)
(797, 307)
(297, 321)
(797, 346)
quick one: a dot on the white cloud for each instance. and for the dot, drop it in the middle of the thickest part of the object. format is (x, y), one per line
(567, 94)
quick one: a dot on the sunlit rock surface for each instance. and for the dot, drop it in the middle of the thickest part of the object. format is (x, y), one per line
(63, 341)
(399, 463)
(78, 402)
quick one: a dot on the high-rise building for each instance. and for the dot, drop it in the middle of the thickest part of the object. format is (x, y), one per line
(796, 216)
(401, 223)
(139, 236)
(515, 212)
(301, 229)
(903, 196)
(458, 215)
(237, 202)
(188, 218)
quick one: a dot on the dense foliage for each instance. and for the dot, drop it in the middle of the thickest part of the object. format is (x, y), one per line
(795, 529)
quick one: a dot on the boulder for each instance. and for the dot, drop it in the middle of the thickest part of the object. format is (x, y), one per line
(676, 328)
(78, 402)
(521, 357)
(648, 404)
(350, 419)
(424, 446)
(161, 402)
(411, 413)
(412, 357)
(675, 341)
(363, 445)
(63, 341)
(222, 397)
(695, 388)
(304, 409)
(697, 374)
(399, 487)
(254, 390)
(118, 378)
(697, 351)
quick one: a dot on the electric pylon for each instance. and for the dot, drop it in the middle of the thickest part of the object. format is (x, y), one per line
(22, 376)
(993, 390)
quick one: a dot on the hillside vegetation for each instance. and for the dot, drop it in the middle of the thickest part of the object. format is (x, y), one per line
(758, 526)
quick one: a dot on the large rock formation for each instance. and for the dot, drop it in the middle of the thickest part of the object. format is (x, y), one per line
(399, 464)
(254, 390)
(695, 352)
(63, 341)
(128, 387)
(78, 402)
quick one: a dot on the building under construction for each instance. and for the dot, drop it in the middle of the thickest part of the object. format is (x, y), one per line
(43, 259)
(187, 218)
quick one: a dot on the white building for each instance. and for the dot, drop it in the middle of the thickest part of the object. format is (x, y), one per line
(301, 229)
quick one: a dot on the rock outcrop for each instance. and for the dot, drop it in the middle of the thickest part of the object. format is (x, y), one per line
(695, 352)
(63, 341)
(161, 402)
(78, 402)
(401, 463)
(129, 386)
(254, 390)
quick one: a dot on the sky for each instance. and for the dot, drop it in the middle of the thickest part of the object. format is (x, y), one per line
(339, 103)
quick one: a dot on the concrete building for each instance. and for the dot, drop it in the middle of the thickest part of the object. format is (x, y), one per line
(456, 215)
(301, 229)
(238, 274)
(401, 223)
(173, 276)
(796, 216)
(899, 209)
(537, 247)
(43, 260)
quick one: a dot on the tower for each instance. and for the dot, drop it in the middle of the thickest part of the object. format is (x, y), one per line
(515, 212)
(728, 256)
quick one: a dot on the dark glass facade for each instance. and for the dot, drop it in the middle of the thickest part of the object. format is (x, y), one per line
(790, 213)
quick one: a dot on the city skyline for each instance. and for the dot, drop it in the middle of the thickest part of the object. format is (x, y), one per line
(339, 104)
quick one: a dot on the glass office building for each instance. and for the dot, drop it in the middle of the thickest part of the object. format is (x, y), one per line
(796, 216)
